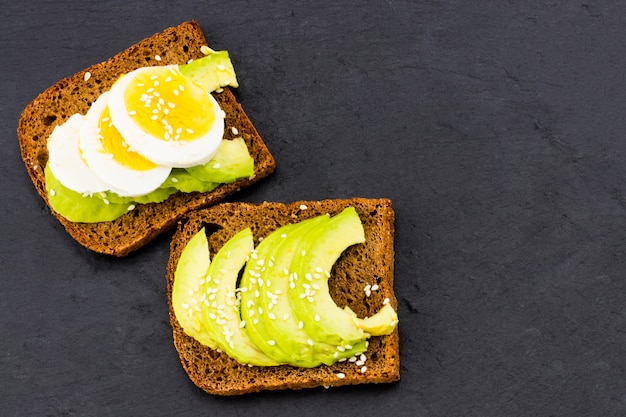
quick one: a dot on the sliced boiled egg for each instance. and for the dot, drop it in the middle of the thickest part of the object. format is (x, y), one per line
(66, 161)
(166, 117)
(112, 159)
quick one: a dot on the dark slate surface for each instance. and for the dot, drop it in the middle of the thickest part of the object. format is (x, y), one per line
(497, 129)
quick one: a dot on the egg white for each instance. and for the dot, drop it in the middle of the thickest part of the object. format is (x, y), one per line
(173, 153)
(65, 161)
(123, 181)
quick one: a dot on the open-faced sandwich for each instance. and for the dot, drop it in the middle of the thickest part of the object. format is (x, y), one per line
(285, 296)
(122, 150)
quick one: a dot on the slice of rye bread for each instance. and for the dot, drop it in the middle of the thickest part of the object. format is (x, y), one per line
(175, 45)
(370, 263)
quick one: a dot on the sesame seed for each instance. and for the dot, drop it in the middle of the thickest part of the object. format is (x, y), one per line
(206, 50)
(157, 58)
(300, 324)
(363, 369)
(242, 324)
(52, 192)
(131, 207)
(310, 342)
(303, 207)
(105, 201)
(359, 362)
(175, 91)
(271, 316)
(386, 301)
(341, 375)
(374, 287)
(87, 76)
(168, 79)
(271, 342)
(317, 317)
(234, 130)
(216, 166)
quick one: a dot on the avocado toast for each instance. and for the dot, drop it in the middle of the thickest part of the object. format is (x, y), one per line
(76, 95)
(361, 279)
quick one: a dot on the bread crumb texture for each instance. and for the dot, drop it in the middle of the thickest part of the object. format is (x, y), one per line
(75, 94)
(359, 267)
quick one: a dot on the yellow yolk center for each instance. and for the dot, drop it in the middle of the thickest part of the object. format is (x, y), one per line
(168, 106)
(113, 144)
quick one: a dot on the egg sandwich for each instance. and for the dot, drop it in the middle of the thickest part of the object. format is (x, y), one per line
(120, 151)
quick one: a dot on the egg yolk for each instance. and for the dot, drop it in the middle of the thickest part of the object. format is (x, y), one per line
(114, 144)
(167, 106)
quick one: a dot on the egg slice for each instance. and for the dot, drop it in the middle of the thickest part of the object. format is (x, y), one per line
(112, 159)
(166, 117)
(66, 161)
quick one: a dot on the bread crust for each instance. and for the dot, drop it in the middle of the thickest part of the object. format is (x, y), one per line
(370, 263)
(76, 93)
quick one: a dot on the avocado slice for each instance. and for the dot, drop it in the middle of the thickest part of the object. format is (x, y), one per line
(77, 207)
(221, 311)
(231, 162)
(212, 71)
(310, 299)
(380, 324)
(274, 328)
(188, 293)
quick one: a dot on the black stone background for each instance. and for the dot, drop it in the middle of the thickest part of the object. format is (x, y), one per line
(497, 128)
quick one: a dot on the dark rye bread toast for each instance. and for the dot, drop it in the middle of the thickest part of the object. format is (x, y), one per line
(75, 94)
(353, 276)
